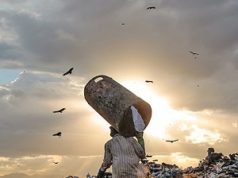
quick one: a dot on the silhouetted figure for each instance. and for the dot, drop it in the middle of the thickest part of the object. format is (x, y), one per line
(68, 72)
(210, 151)
(194, 54)
(57, 134)
(212, 156)
(151, 7)
(172, 141)
(124, 155)
(149, 81)
(59, 111)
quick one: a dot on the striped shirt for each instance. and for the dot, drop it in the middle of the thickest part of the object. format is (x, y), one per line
(124, 154)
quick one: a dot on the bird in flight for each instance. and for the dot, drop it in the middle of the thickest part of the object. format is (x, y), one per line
(122, 23)
(151, 7)
(55, 162)
(69, 71)
(171, 141)
(194, 54)
(57, 134)
(59, 111)
(149, 81)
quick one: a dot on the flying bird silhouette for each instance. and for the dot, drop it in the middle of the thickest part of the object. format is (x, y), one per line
(151, 7)
(59, 111)
(57, 134)
(193, 53)
(69, 71)
(149, 81)
(171, 141)
(55, 162)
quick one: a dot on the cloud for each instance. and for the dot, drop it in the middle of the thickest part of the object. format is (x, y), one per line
(199, 135)
(22, 175)
(8, 41)
(46, 38)
(234, 124)
(179, 158)
(182, 160)
(42, 165)
(27, 104)
(33, 165)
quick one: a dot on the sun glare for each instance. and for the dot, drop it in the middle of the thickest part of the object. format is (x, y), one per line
(160, 107)
(163, 116)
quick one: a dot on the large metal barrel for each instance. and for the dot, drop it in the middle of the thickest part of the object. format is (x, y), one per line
(112, 101)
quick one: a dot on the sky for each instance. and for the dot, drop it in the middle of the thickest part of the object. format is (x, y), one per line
(193, 97)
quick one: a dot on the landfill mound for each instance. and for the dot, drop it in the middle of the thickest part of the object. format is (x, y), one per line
(214, 165)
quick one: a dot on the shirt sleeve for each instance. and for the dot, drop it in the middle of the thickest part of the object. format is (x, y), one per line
(138, 148)
(107, 161)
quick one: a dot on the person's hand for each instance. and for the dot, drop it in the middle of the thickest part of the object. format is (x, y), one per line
(139, 135)
(100, 173)
(140, 139)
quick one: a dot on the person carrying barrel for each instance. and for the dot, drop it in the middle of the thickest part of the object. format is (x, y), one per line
(132, 123)
(124, 155)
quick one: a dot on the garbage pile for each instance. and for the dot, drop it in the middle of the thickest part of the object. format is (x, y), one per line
(164, 170)
(215, 165)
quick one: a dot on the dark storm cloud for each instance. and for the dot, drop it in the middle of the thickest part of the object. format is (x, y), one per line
(212, 24)
(39, 37)
(12, 2)
(95, 32)
(7, 51)
(210, 29)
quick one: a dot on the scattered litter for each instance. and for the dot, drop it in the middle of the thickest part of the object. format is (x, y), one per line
(214, 165)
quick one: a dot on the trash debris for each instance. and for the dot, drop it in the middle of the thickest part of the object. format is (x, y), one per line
(214, 165)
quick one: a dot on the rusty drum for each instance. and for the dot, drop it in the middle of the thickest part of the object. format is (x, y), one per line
(112, 101)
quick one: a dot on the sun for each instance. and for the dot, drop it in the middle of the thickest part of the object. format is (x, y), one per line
(162, 115)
